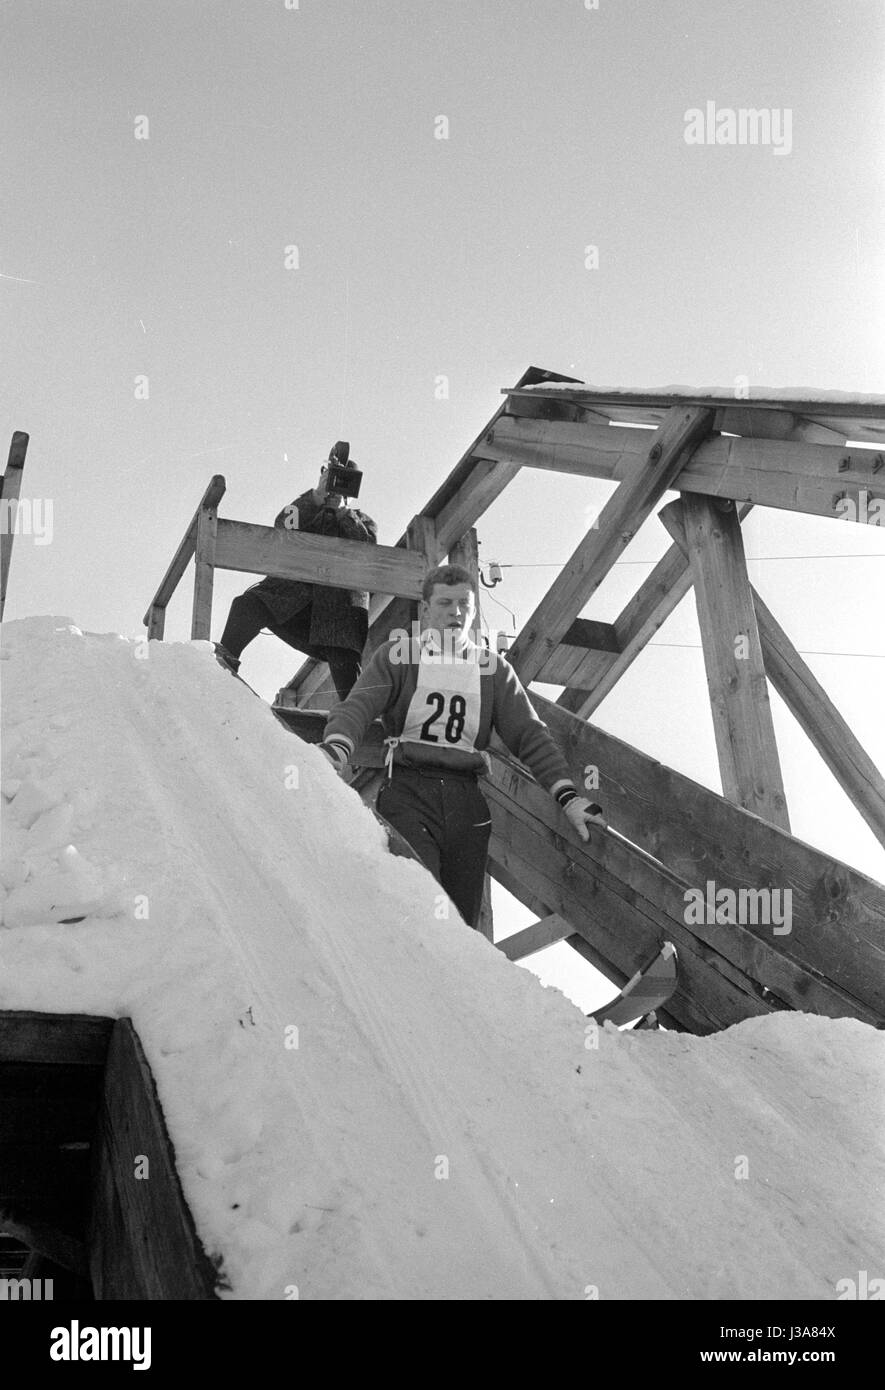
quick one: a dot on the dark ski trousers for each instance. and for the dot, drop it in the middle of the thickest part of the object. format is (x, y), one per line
(249, 614)
(446, 820)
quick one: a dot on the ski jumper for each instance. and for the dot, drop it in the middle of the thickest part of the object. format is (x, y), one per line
(439, 708)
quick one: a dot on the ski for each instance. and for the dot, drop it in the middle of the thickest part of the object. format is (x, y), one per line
(644, 992)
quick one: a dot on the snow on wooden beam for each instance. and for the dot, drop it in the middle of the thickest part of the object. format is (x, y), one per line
(618, 523)
(861, 418)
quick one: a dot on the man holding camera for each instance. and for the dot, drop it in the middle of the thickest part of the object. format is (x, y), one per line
(328, 624)
(440, 697)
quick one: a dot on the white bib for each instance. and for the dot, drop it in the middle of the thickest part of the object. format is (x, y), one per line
(444, 710)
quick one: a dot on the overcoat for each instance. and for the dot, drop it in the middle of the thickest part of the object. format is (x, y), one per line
(338, 617)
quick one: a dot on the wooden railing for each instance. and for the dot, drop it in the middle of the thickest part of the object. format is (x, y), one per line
(10, 490)
(383, 570)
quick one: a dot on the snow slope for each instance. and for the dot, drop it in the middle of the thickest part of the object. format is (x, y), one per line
(443, 1129)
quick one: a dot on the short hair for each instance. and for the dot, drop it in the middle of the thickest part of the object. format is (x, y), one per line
(446, 574)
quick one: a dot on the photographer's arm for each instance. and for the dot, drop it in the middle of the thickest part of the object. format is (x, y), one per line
(357, 526)
(299, 513)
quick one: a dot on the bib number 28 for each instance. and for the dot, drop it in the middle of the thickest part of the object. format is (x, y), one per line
(454, 725)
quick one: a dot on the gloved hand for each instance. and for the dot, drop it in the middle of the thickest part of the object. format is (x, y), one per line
(336, 754)
(583, 813)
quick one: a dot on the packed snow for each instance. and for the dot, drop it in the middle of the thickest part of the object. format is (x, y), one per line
(366, 1099)
(759, 393)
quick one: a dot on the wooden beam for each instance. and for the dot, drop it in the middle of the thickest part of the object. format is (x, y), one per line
(583, 638)
(622, 926)
(621, 518)
(321, 560)
(65, 1039)
(815, 712)
(649, 608)
(838, 912)
(858, 419)
(168, 584)
(143, 1243)
(810, 705)
(204, 567)
(748, 955)
(10, 492)
(487, 481)
(546, 932)
(784, 473)
(749, 763)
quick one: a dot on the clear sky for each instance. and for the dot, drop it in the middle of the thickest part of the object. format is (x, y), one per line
(315, 127)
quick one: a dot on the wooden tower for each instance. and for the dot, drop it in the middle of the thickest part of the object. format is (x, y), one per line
(618, 898)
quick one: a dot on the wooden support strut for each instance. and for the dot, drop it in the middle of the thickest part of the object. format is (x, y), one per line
(796, 473)
(155, 617)
(838, 913)
(618, 523)
(809, 703)
(10, 491)
(647, 611)
(749, 763)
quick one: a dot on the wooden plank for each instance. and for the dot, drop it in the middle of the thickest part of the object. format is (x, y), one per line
(749, 762)
(64, 1039)
(325, 560)
(143, 1243)
(487, 481)
(859, 419)
(585, 636)
(204, 564)
(168, 584)
(783, 473)
(649, 608)
(815, 712)
(806, 698)
(618, 929)
(748, 955)
(10, 492)
(546, 932)
(839, 912)
(621, 518)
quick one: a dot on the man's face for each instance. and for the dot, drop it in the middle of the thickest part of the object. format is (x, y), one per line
(450, 606)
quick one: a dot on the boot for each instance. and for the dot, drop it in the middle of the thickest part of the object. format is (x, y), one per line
(224, 658)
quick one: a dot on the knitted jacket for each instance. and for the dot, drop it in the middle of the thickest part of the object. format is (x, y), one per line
(385, 690)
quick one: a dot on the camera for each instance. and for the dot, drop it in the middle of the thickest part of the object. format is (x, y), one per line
(342, 477)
